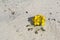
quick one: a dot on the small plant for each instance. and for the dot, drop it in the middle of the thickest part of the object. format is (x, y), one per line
(37, 21)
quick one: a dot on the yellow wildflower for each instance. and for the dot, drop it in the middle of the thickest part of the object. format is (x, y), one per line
(38, 20)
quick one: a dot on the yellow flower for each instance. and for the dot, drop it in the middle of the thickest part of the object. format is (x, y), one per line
(39, 20)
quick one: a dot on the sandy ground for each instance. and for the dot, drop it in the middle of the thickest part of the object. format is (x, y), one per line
(13, 19)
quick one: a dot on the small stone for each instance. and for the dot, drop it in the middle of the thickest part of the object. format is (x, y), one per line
(36, 32)
(54, 19)
(26, 11)
(27, 25)
(42, 29)
(50, 13)
(28, 29)
(13, 13)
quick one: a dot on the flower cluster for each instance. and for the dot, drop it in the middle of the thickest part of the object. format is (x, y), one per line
(39, 20)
